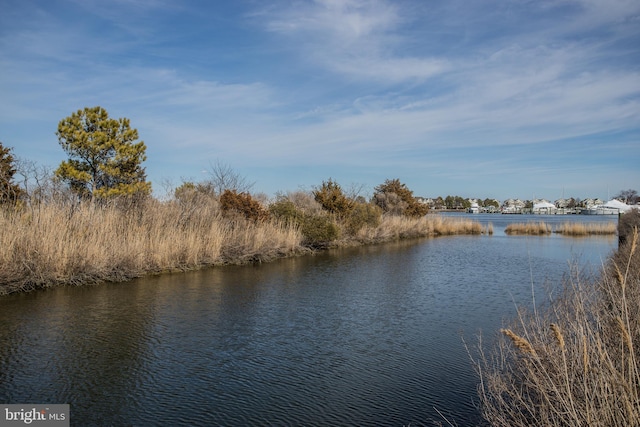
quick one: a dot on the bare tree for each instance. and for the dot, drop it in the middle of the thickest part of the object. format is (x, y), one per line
(628, 196)
(355, 191)
(42, 186)
(222, 177)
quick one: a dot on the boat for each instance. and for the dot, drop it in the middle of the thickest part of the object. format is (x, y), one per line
(599, 210)
(612, 207)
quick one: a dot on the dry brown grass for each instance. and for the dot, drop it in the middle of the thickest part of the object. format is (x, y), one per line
(402, 227)
(57, 243)
(579, 229)
(567, 228)
(489, 229)
(575, 363)
(535, 228)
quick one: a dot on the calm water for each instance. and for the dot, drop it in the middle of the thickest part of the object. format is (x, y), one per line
(365, 336)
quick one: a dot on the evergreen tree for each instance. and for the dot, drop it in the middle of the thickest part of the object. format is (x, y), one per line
(332, 198)
(9, 191)
(104, 159)
(395, 197)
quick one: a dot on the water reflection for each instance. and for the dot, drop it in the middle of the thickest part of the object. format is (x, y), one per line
(361, 336)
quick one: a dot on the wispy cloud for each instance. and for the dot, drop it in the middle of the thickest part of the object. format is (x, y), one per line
(357, 38)
(453, 88)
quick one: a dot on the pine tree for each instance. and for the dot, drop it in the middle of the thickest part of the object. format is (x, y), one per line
(9, 191)
(104, 159)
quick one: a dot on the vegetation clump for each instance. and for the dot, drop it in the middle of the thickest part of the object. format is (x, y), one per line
(395, 198)
(578, 229)
(567, 228)
(317, 227)
(332, 199)
(363, 215)
(535, 228)
(233, 202)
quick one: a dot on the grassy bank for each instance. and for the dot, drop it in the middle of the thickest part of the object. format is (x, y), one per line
(567, 228)
(576, 362)
(58, 243)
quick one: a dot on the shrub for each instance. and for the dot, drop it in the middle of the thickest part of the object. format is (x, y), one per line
(390, 203)
(395, 198)
(332, 199)
(188, 191)
(242, 203)
(318, 230)
(363, 214)
(626, 224)
(286, 210)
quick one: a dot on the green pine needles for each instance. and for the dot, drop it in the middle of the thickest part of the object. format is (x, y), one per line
(105, 161)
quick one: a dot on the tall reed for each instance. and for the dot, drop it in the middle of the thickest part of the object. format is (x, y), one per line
(566, 228)
(58, 243)
(401, 227)
(580, 229)
(575, 363)
(535, 228)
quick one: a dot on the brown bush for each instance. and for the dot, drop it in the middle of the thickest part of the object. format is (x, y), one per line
(395, 198)
(332, 199)
(232, 202)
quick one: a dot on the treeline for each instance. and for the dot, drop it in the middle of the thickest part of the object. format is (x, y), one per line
(460, 203)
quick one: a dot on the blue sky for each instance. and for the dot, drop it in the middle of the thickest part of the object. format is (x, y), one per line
(483, 98)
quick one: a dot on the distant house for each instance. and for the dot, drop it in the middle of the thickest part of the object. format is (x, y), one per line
(425, 201)
(513, 206)
(543, 207)
(588, 203)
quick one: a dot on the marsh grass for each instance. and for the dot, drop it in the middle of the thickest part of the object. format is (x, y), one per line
(57, 243)
(579, 229)
(401, 227)
(574, 363)
(567, 228)
(531, 228)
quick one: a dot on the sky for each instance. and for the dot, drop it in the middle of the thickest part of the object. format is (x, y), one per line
(484, 99)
